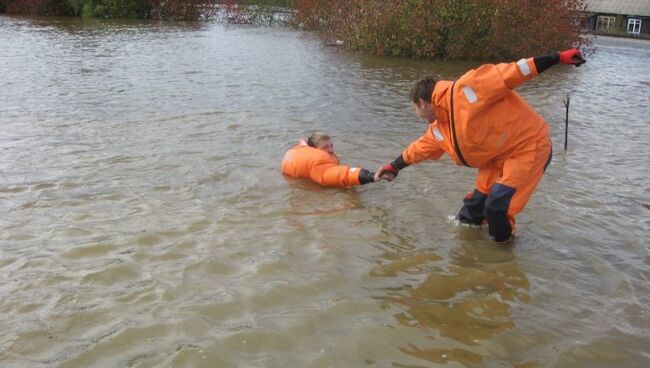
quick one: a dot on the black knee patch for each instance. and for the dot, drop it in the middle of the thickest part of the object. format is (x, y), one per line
(496, 210)
(472, 210)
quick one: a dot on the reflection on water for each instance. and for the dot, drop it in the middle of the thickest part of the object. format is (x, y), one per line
(308, 198)
(145, 222)
(467, 300)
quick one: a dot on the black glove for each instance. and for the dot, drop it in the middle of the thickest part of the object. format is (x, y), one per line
(366, 176)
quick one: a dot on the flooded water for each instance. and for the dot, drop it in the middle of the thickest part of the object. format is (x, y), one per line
(145, 223)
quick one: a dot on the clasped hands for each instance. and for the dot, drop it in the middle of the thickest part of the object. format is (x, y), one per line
(387, 172)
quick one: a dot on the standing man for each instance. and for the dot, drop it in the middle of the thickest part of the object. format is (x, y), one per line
(481, 122)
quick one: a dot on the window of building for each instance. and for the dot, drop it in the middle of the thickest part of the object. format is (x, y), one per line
(604, 22)
(634, 26)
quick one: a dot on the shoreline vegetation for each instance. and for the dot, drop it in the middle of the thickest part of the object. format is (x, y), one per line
(428, 29)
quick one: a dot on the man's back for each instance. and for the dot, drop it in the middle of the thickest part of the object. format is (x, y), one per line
(490, 119)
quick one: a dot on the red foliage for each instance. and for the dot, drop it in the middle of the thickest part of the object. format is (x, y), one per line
(469, 29)
(234, 12)
(180, 9)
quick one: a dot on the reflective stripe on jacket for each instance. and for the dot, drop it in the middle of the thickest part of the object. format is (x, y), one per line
(303, 161)
(490, 119)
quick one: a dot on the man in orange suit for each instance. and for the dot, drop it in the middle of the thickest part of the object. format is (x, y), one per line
(315, 159)
(481, 122)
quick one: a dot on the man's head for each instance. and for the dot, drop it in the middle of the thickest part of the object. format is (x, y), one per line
(421, 98)
(321, 141)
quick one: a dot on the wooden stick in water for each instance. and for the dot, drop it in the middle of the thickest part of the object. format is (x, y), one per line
(566, 121)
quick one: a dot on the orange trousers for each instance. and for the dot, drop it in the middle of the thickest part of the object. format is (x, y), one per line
(504, 187)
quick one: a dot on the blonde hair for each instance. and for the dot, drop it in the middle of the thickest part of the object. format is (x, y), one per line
(317, 137)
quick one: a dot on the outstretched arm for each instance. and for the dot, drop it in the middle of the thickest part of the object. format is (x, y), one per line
(424, 148)
(329, 174)
(570, 56)
(491, 82)
(516, 73)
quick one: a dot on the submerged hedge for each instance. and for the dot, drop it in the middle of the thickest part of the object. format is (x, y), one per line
(142, 9)
(458, 29)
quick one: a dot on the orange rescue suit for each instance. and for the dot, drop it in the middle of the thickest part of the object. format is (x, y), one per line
(497, 132)
(303, 161)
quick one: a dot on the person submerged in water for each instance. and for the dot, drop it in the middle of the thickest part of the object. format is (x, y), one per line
(315, 159)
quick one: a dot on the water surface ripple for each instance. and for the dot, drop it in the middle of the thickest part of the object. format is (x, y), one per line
(145, 222)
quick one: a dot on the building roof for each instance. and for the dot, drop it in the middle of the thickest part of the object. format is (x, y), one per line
(625, 7)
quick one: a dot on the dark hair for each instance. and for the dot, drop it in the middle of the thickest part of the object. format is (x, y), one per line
(423, 89)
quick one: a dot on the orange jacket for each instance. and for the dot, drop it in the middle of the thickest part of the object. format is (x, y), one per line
(303, 161)
(490, 119)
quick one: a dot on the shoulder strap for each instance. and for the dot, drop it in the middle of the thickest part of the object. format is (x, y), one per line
(454, 140)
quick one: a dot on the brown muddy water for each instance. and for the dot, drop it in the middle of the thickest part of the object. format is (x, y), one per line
(145, 223)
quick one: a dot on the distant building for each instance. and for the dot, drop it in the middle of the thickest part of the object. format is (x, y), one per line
(631, 17)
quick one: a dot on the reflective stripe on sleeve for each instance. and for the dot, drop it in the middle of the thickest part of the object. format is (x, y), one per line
(523, 67)
(470, 94)
(438, 134)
